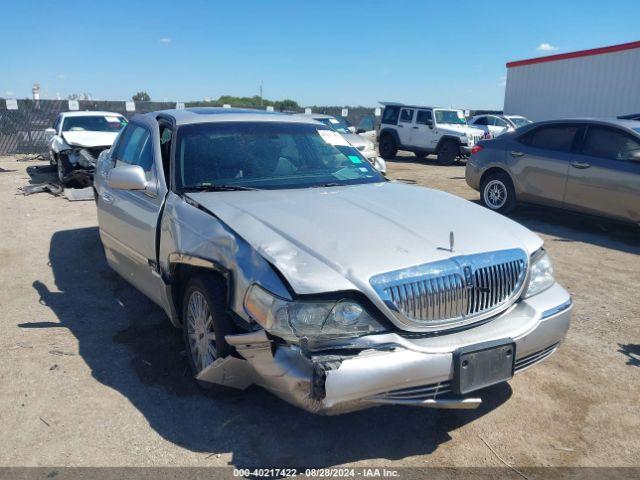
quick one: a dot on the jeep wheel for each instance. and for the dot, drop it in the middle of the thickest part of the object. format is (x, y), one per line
(205, 323)
(497, 192)
(448, 152)
(388, 147)
(420, 155)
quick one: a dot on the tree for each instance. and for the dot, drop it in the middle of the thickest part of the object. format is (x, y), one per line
(141, 97)
(286, 105)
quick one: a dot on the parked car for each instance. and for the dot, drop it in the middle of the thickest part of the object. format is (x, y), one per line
(367, 128)
(290, 262)
(426, 130)
(630, 116)
(76, 140)
(366, 147)
(494, 125)
(586, 165)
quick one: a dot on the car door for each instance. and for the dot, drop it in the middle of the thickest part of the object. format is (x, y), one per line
(539, 162)
(497, 126)
(422, 131)
(405, 122)
(128, 218)
(604, 179)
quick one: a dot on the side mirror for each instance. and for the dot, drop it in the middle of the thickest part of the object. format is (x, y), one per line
(429, 123)
(360, 130)
(352, 129)
(50, 132)
(127, 177)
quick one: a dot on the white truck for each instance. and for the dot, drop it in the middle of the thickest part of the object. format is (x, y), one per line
(426, 130)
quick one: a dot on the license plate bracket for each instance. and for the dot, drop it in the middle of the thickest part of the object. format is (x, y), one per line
(482, 365)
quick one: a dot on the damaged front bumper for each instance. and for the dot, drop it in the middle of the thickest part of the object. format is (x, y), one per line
(78, 165)
(394, 369)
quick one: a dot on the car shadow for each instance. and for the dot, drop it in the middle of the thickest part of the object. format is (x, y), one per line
(572, 227)
(130, 346)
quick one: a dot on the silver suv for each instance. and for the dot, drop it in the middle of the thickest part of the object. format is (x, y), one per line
(289, 262)
(425, 131)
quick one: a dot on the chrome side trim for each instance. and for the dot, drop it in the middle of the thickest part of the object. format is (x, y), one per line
(555, 310)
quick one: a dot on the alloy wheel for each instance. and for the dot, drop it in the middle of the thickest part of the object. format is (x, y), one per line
(495, 194)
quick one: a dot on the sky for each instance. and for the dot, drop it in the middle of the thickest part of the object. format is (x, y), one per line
(446, 53)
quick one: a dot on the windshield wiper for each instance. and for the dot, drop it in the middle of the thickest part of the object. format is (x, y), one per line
(218, 188)
(329, 184)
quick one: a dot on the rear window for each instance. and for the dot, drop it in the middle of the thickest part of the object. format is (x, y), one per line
(558, 138)
(390, 115)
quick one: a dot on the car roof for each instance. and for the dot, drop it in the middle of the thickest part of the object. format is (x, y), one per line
(594, 120)
(90, 113)
(319, 115)
(194, 115)
(425, 107)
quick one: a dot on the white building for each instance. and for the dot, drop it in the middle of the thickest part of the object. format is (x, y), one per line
(602, 82)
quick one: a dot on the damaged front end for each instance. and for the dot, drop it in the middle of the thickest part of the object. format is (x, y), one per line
(77, 165)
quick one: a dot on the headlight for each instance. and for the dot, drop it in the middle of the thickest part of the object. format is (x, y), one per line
(296, 319)
(541, 274)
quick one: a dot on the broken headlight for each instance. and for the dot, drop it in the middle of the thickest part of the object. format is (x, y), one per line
(292, 320)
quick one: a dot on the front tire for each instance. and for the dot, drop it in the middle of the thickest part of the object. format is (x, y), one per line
(497, 193)
(388, 148)
(205, 322)
(448, 152)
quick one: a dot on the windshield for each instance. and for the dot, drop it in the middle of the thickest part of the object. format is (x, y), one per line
(335, 124)
(94, 123)
(519, 121)
(267, 155)
(452, 117)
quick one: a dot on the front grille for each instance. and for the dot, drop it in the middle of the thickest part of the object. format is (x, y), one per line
(460, 288)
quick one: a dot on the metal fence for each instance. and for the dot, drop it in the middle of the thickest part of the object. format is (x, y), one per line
(22, 129)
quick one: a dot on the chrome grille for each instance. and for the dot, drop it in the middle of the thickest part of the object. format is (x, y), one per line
(459, 288)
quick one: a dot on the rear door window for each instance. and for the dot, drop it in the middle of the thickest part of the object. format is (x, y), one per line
(610, 143)
(559, 138)
(406, 115)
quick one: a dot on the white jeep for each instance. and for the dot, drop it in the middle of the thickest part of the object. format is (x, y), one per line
(426, 130)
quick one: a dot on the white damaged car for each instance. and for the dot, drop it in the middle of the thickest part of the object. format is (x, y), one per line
(289, 262)
(77, 139)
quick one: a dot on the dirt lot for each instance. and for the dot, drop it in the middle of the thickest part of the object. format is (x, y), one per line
(92, 373)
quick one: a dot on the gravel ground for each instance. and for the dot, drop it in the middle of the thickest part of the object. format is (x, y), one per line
(92, 373)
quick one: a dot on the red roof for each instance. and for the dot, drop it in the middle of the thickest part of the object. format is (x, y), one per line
(580, 53)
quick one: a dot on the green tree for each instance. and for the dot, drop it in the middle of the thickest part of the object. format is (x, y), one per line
(141, 97)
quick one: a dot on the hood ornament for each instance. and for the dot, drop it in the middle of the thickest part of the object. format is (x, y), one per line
(451, 241)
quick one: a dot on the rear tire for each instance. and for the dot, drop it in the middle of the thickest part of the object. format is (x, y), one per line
(388, 148)
(497, 192)
(205, 322)
(448, 152)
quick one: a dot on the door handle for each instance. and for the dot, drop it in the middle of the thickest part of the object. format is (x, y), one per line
(517, 154)
(415, 128)
(400, 126)
(580, 165)
(107, 198)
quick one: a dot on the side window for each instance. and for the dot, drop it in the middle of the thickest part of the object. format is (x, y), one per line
(500, 122)
(423, 116)
(390, 115)
(367, 124)
(136, 149)
(481, 121)
(609, 143)
(406, 115)
(559, 138)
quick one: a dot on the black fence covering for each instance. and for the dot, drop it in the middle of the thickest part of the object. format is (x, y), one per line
(22, 130)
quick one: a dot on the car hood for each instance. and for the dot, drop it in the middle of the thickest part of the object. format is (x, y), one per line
(337, 238)
(460, 129)
(89, 139)
(356, 140)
